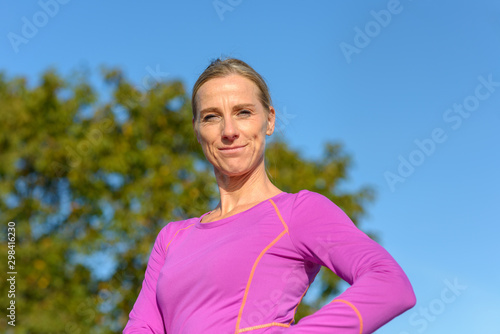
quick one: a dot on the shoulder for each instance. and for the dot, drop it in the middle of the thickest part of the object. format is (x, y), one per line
(316, 224)
(306, 203)
(312, 201)
(175, 226)
(308, 195)
(310, 208)
(172, 228)
(301, 198)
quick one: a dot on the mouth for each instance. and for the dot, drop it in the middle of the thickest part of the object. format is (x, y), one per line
(232, 149)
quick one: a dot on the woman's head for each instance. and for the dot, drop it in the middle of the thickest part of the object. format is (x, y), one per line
(232, 117)
(229, 66)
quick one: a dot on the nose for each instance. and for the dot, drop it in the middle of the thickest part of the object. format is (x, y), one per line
(229, 129)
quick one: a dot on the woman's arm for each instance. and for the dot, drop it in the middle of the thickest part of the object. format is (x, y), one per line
(145, 317)
(323, 234)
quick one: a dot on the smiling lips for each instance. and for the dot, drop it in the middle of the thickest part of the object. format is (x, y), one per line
(232, 149)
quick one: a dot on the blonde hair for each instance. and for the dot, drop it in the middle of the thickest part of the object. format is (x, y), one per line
(219, 68)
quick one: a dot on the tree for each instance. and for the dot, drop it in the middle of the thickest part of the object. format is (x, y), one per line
(87, 177)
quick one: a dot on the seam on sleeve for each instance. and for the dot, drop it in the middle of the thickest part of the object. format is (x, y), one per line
(166, 248)
(248, 329)
(355, 310)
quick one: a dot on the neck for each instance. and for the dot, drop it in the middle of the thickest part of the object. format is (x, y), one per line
(237, 191)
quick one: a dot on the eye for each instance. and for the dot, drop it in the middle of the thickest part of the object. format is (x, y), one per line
(208, 117)
(244, 112)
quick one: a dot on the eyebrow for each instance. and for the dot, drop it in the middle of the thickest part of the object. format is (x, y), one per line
(243, 105)
(211, 109)
(236, 107)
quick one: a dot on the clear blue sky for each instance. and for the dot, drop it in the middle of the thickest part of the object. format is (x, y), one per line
(338, 71)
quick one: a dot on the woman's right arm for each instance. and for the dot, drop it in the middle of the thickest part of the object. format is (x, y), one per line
(145, 316)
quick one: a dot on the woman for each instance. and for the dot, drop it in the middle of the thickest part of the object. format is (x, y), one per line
(245, 265)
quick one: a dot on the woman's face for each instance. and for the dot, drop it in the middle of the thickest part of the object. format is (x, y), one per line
(231, 124)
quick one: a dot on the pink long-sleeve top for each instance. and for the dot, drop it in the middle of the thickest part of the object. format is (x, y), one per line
(248, 272)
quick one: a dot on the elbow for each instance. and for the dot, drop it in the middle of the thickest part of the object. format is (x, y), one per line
(404, 298)
(410, 300)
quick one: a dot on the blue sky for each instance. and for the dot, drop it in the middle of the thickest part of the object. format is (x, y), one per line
(386, 78)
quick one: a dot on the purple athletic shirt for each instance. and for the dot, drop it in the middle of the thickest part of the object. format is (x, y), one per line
(248, 272)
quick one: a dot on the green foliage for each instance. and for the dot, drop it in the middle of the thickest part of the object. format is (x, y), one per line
(81, 174)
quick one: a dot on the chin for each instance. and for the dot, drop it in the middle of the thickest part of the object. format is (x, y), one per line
(234, 170)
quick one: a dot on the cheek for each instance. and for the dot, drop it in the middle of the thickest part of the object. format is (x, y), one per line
(206, 140)
(204, 134)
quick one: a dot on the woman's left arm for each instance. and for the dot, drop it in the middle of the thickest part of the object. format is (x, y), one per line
(323, 234)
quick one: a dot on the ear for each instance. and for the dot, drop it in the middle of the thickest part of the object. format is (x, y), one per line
(195, 130)
(271, 120)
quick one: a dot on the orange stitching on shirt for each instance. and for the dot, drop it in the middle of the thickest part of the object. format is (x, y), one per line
(251, 277)
(245, 295)
(355, 310)
(295, 309)
(286, 229)
(176, 235)
(279, 215)
(248, 329)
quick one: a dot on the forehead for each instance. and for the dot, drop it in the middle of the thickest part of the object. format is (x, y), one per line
(230, 88)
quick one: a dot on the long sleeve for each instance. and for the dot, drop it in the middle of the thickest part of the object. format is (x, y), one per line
(145, 316)
(323, 234)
